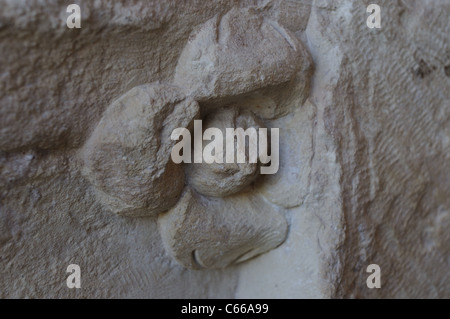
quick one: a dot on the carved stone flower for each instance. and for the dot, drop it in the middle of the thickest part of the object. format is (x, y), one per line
(209, 215)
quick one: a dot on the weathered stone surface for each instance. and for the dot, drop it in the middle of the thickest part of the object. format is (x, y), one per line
(366, 179)
(218, 179)
(127, 158)
(239, 53)
(216, 233)
(390, 130)
(56, 82)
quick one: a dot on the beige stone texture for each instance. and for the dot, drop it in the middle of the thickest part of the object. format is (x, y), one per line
(364, 118)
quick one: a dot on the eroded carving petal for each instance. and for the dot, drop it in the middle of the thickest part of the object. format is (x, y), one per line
(202, 232)
(239, 53)
(127, 158)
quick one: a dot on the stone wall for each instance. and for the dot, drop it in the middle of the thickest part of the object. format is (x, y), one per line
(86, 176)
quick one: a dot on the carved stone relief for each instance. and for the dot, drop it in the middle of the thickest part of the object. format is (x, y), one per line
(86, 175)
(218, 221)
